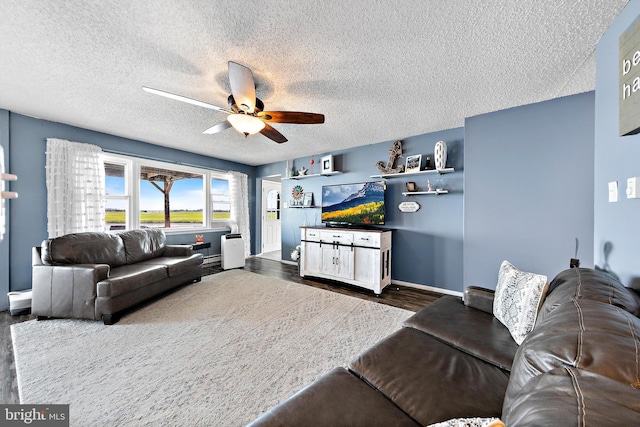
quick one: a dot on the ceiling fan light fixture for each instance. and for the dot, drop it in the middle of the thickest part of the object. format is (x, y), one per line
(243, 123)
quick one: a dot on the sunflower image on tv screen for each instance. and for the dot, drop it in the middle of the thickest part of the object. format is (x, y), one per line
(354, 204)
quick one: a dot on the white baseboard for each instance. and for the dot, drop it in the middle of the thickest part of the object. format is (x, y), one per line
(284, 261)
(427, 288)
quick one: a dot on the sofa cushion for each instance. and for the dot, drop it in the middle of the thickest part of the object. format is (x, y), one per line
(338, 398)
(84, 248)
(140, 245)
(473, 331)
(176, 266)
(573, 397)
(130, 277)
(430, 380)
(518, 299)
(595, 285)
(590, 335)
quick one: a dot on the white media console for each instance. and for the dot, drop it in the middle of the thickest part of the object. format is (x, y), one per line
(360, 257)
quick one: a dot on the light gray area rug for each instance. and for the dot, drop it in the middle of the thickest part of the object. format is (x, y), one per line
(215, 353)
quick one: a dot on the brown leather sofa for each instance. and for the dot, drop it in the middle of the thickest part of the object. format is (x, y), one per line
(580, 366)
(99, 275)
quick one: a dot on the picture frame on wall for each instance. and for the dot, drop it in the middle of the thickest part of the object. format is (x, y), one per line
(413, 163)
(411, 187)
(326, 164)
(307, 200)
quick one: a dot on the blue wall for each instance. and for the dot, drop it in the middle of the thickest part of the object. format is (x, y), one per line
(528, 188)
(28, 226)
(427, 245)
(4, 245)
(617, 225)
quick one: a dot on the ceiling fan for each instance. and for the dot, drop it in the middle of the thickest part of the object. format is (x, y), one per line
(246, 112)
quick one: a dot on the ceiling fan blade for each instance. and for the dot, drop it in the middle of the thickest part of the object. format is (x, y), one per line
(185, 99)
(273, 134)
(243, 86)
(218, 128)
(291, 117)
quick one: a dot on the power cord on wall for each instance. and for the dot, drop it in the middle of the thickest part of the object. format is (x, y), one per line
(575, 262)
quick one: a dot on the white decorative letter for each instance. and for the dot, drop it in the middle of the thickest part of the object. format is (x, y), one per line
(626, 66)
(626, 91)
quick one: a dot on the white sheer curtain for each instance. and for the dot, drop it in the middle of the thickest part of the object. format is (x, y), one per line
(239, 192)
(75, 187)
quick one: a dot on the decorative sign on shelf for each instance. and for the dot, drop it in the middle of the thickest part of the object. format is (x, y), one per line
(409, 206)
(629, 80)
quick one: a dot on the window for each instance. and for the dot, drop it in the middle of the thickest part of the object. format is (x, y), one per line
(117, 203)
(171, 198)
(144, 193)
(220, 200)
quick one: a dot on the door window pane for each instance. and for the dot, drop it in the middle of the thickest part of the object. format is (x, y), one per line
(273, 205)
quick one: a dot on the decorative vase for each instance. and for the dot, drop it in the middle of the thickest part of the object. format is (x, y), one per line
(440, 155)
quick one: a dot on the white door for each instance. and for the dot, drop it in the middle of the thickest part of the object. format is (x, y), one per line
(271, 203)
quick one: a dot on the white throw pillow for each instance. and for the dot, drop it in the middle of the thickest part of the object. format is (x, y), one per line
(518, 299)
(470, 422)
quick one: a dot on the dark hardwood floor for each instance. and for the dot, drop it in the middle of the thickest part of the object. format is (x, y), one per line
(398, 296)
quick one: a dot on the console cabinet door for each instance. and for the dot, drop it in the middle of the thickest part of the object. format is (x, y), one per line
(367, 263)
(337, 261)
(311, 258)
(345, 262)
(329, 262)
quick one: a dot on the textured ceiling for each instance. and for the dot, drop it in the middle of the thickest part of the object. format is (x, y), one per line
(377, 69)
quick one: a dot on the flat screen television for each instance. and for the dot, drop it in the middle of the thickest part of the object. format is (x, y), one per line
(360, 204)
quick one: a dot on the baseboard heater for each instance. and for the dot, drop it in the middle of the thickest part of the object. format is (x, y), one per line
(211, 259)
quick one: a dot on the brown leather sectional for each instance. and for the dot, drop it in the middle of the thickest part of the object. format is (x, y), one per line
(580, 366)
(99, 275)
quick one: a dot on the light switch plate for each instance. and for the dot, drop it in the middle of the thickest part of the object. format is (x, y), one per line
(613, 191)
(632, 188)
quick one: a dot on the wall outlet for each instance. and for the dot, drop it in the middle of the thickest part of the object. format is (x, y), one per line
(633, 187)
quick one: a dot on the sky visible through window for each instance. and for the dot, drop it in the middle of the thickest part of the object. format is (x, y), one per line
(186, 194)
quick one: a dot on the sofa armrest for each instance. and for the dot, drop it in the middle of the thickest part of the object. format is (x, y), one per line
(66, 291)
(178, 250)
(479, 298)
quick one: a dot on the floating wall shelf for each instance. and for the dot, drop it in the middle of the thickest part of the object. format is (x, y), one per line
(417, 193)
(313, 175)
(409, 174)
